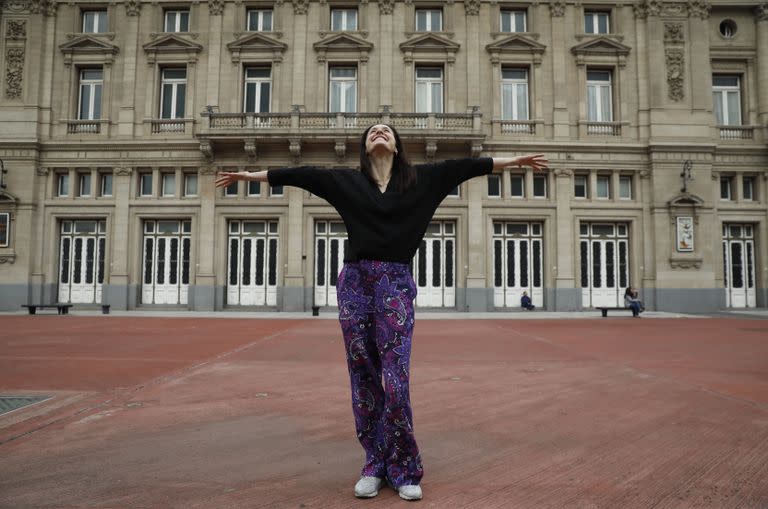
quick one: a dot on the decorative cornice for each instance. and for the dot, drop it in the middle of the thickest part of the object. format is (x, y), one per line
(563, 173)
(215, 7)
(472, 7)
(15, 6)
(685, 263)
(123, 171)
(300, 6)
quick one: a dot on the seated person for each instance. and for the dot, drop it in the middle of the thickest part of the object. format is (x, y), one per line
(631, 301)
(525, 302)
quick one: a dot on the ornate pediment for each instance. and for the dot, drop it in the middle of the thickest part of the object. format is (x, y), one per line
(174, 46)
(256, 45)
(601, 47)
(89, 48)
(432, 44)
(343, 43)
(7, 198)
(516, 45)
(685, 200)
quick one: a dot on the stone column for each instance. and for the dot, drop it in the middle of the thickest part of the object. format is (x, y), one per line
(566, 295)
(479, 291)
(701, 67)
(386, 35)
(293, 291)
(474, 91)
(761, 19)
(130, 29)
(641, 55)
(203, 295)
(648, 267)
(116, 290)
(215, 24)
(560, 52)
(298, 55)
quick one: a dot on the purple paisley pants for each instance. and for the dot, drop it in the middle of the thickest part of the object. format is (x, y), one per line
(376, 315)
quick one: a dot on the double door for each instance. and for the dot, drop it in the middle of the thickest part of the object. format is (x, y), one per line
(604, 257)
(434, 266)
(165, 278)
(82, 247)
(330, 245)
(252, 263)
(517, 263)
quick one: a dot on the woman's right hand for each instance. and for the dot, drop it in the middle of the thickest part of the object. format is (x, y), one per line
(226, 178)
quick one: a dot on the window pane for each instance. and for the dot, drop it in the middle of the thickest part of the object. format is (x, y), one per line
(169, 184)
(589, 23)
(264, 98)
(336, 18)
(437, 21)
(717, 101)
(106, 185)
(180, 95)
(603, 187)
(85, 184)
(96, 101)
(725, 188)
(437, 98)
(720, 80)
(748, 185)
(602, 23)
(184, 24)
(266, 23)
(421, 21)
(422, 97)
(539, 186)
(522, 101)
(170, 21)
(506, 21)
(85, 101)
(165, 109)
(335, 96)
(494, 185)
(146, 184)
(102, 21)
(254, 188)
(174, 74)
(592, 112)
(507, 101)
(606, 108)
(734, 108)
(350, 104)
(519, 21)
(190, 185)
(516, 185)
(625, 187)
(580, 186)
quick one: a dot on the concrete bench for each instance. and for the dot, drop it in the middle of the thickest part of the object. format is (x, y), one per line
(63, 309)
(604, 310)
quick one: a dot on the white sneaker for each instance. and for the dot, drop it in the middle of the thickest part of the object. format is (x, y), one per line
(368, 487)
(410, 492)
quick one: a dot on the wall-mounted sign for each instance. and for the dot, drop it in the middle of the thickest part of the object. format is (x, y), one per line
(684, 234)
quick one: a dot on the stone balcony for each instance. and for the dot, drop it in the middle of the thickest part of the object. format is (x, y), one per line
(432, 130)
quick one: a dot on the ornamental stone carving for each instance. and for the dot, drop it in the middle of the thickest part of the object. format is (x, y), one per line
(132, 7)
(557, 8)
(653, 8)
(675, 73)
(14, 61)
(42, 171)
(215, 7)
(563, 173)
(386, 6)
(16, 6)
(46, 7)
(123, 171)
(673, 33)
(641, 11)
(472, 7)
(17, 29)
(300, 6)
(294, 147)
(699, 9)
(761, 12)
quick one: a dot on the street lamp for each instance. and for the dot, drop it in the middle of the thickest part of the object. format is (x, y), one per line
(686, 174)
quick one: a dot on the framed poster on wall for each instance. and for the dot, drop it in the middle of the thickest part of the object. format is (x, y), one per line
(684, 234)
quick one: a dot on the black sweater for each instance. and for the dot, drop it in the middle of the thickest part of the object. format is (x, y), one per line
(385, 226)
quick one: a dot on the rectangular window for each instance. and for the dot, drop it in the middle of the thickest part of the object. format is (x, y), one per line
(5, 225)
(275, 190)
(726, 183)
(231, 190)
(259, 20)
(429, 20)
(513, 20)
(190, 184)
(94, 22)
(173, 93)
(106, 184)
(62, 184)
(726, 97)
(145, 184)
(748, 188)
(596, 22)
(258, 87)
(84, 184)
(517, 186)
(343, 19)
(169, 184)
(494, 186)
(177, 20)
(89, 102)
(625, 187)
(580, 186)
(254, 188)
(514, 94)
(603, 191)
(342, 90)
(539, 186)
(599, 96)
(429, 90)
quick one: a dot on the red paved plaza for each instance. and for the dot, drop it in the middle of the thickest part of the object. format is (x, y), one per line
(234, 412)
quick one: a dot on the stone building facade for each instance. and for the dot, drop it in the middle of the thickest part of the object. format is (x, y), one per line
(115, 116)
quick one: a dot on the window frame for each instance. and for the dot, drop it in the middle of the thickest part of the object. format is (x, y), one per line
(728, 180)
(142, 178)
(626, 178)
(514, 83)
(62, 181)
(164, 191)
(586, 186)
(344, 10)
(342, 90)
(176, 11)
(84, 184)
(5, 218)
(595, 15)
(600, 87)
(751, 179)
(428, 20)
(248, 189)
(513, 177)
(540, 178)
(259, 12)
(92, 85)
(103, 176)
(429, 82)
(101, 14)
(258, 81)
(188, 175)
(275, 193)
(723, 91)
(500, 184)
(174, 83)
(598, 179)
(512, 12)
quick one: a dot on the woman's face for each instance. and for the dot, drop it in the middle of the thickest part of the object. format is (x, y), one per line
(380, 138)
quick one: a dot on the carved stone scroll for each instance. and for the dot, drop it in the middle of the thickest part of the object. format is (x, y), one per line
(386, 6)
(675, 73)
(14, 71)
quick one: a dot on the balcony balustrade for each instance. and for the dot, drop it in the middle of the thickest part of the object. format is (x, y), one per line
(736, 132)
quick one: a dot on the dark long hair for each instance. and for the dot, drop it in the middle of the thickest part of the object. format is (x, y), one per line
(403, 173)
